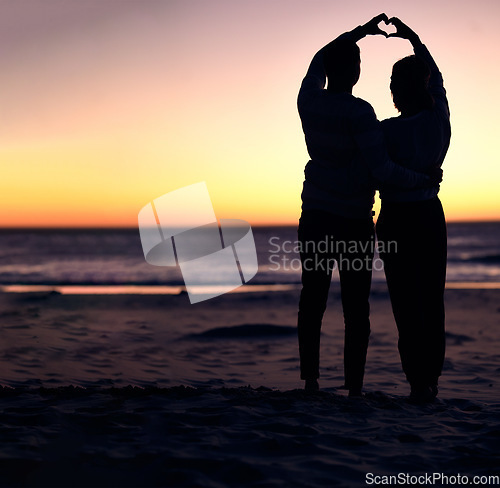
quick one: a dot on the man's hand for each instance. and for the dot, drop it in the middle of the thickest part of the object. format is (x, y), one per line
(371, 28)
(402, 30)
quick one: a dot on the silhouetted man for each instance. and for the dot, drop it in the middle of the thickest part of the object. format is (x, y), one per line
(346, 147)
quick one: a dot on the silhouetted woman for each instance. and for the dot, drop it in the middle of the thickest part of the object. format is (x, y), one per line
(415, 267)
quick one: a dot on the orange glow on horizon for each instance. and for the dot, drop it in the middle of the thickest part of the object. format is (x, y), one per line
(106, 106)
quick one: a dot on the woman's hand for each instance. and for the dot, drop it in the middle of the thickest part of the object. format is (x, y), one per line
(403, 31)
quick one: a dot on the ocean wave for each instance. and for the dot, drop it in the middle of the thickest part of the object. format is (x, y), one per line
(466, 257)
(245, 331)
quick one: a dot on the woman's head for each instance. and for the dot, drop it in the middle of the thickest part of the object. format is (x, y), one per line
(409, 86)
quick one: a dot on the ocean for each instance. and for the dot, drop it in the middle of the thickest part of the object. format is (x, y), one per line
(103, 388)
(79, 259)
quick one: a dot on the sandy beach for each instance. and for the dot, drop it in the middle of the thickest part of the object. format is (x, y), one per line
(138, 391)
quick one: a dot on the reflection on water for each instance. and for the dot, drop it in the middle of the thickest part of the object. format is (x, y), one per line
(177, 290)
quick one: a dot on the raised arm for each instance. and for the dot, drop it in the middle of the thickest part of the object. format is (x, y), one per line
(315, 78)
(436, 87)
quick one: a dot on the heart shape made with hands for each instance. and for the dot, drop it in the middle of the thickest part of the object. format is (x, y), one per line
(388, 28)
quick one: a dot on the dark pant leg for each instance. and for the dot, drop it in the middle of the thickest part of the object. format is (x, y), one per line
(415, 269)
(355, 270)
(355, 287)
(316, 278)
(433, 275)
(396, 235)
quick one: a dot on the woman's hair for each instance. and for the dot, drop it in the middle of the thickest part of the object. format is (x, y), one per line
(410, 85)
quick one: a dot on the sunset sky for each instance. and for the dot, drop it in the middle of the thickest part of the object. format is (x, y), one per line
(106, 105)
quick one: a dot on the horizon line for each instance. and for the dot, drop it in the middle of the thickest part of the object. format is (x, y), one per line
(128, 227)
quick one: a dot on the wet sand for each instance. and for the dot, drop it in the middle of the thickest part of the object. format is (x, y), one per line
(152, 391)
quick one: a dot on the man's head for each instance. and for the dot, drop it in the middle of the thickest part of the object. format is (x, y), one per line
(409, 85)
(342, 65)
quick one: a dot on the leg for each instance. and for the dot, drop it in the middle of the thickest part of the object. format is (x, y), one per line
(314, 295)
(403, 281)
(312, 306)
(415, 277)
(355, 270)
(432, 297)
